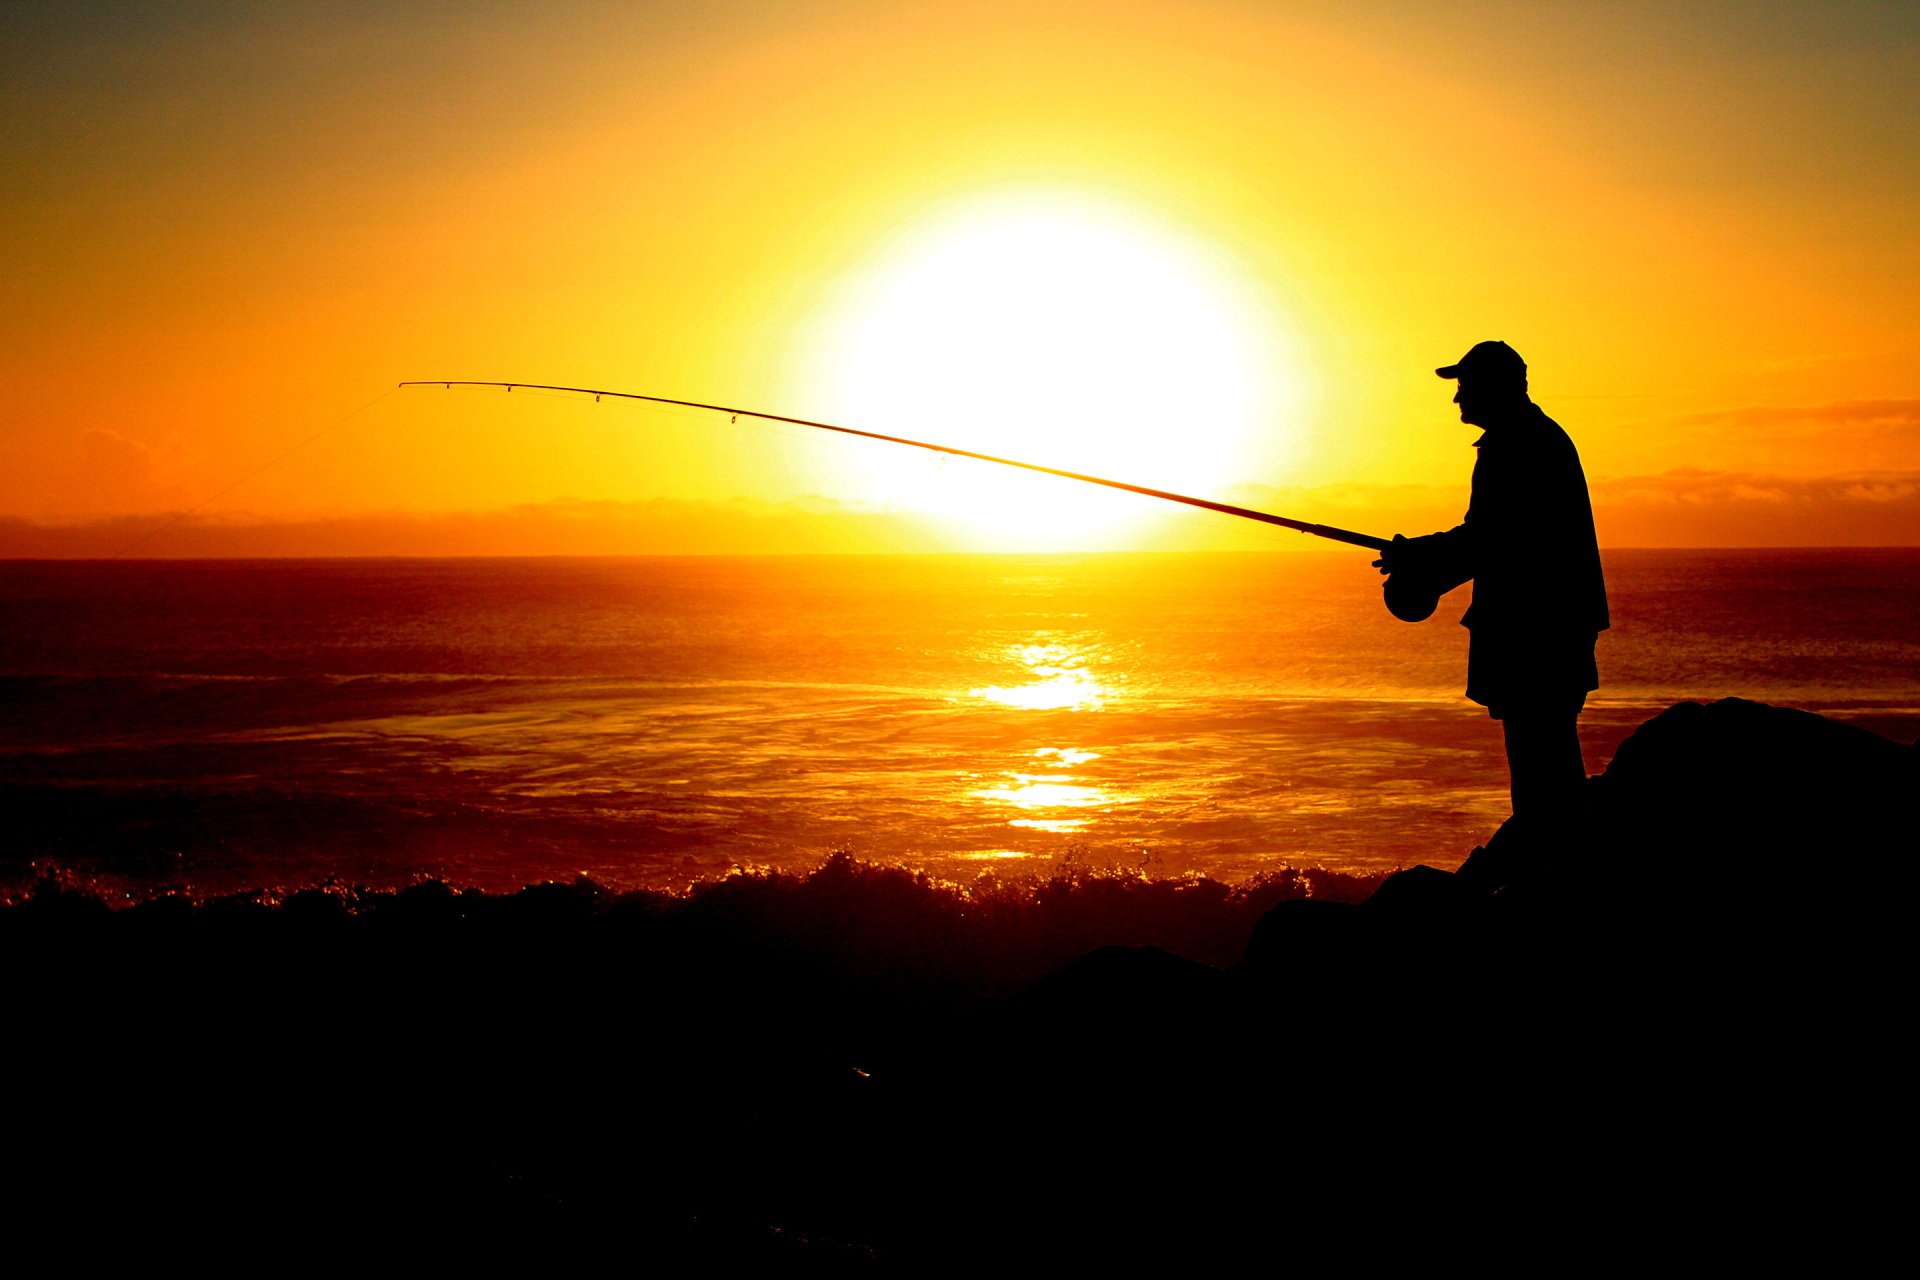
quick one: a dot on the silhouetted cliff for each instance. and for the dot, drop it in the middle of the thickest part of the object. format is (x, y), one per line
(1675, 1025)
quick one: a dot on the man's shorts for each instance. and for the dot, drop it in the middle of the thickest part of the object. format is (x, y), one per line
(1551, 674)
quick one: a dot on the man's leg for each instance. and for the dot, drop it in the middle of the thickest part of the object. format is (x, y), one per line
(1543, 758)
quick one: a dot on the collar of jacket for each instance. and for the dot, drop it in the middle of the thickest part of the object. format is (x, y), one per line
(1531, 413)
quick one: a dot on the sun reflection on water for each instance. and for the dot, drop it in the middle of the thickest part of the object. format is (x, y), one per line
(1054, 802)
(1045, 791)
(1046, 796)
(1061, 681)
(1067, 755)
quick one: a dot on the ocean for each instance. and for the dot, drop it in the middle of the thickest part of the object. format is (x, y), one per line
(216, 726)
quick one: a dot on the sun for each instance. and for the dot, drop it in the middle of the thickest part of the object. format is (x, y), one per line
(1057, 328)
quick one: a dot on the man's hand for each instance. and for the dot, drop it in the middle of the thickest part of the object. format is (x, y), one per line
(1394, 557)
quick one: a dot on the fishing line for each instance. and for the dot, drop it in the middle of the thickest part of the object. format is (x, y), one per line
(1177, 522)
(840, 468)
(1411, 594)
(837, 470)
(1267, 517)
(273, 461)
(809, 443)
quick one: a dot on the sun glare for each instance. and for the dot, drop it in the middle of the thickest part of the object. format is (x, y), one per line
(1058, 329)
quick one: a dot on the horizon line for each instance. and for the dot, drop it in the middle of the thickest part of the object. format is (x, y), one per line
(873, 555)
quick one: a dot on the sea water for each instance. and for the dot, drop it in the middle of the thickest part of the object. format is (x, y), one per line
(222, 725)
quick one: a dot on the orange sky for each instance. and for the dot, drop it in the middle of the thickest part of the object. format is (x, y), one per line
(1217, 247)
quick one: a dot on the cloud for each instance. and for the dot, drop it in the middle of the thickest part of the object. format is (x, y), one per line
(1685, 507)
(1855, 433)
(561, 527)
(113, 460)
(1788, 440)
(1887, 416)
(85, 472)
(1691, 507)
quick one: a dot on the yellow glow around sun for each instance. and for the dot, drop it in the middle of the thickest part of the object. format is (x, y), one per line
(1057, 328)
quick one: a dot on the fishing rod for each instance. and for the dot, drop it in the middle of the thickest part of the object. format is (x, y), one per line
(1406, 600)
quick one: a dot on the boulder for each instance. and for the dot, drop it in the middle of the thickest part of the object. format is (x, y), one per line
(1730, 823)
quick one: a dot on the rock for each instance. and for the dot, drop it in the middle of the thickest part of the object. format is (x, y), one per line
(1108, 1020)
(1420, 888)
(1719, 794)
(1736, 800)
(1116, 985)
(1303, 938)
(1724, 824)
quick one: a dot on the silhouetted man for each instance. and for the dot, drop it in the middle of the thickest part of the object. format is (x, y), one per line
(1539, 601)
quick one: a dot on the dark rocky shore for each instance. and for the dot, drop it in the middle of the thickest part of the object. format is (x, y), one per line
(1673, 1035)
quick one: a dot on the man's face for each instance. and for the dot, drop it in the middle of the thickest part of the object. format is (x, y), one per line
(1471, 399)
(1484, 400)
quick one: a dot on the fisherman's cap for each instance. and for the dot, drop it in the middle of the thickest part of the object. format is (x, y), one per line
(1491, 361)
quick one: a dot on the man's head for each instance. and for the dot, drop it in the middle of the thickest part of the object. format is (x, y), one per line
(1493, 381)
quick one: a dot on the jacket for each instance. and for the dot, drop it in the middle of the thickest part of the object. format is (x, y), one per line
(1528, 546)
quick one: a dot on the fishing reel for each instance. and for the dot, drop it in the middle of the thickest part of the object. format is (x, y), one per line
(1410, 591)
(1410, 597)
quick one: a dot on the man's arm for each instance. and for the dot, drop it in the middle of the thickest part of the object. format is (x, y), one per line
(1447, 559)
(1442, 560)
